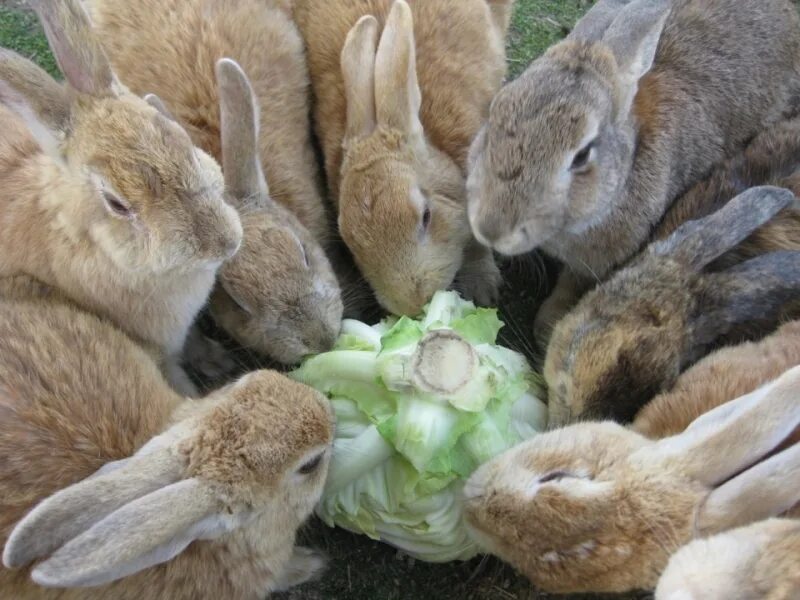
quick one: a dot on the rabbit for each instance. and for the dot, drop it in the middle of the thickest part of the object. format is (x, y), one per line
(721, 376)
(771, 158)
(629, 338)
(598, 507)
(760, 561)
(395, 132)
(279, 294)
(582, 155)
(115, 486)
(104, 198)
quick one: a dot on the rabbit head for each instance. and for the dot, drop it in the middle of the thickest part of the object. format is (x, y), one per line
(253, 455)
(279, 294)
(401, 201)
(558, 145)
(597, 507)
(757, 561)
(630, 338)
(149, 198)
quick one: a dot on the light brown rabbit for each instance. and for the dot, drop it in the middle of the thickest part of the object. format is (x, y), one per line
(583, 154)
(170, 48)
(597, 507)
(718, 378)
(401, 88)
(279, 294)
(101, 196)
(110, 479)
(631, 337)
(757, 562)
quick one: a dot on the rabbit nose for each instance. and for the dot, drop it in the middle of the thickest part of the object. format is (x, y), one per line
(487, 229)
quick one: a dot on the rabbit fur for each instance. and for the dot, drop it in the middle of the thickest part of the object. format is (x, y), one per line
(279, 295)
(108, 474)
(103, 197)
(400, 90)
(583, 154)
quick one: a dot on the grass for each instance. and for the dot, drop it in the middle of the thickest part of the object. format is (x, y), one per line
(20, 31)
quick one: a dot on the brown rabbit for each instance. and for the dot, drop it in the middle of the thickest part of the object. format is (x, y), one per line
(760, 561)
(279, 294)
(630, 337)
(401, 89)
(597, 507)
(720, 377)
(583, 154)
(110, 479)
(170, 48)
(102, 197)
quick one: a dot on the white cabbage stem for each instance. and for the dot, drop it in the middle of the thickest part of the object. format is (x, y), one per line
(443, 363)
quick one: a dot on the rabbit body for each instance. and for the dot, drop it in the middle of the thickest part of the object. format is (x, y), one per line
(278, 295)
(103, 197)
(584, 153)
(79, 400)
(395, 120)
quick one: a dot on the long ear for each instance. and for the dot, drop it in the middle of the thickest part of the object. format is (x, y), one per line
(726, 440)
(358, 70)
(757, 289)
(397, 95)
(145, 532)
(77, 51)
(697, 243)
(159, 105)
(34, 96)
(769, 489)
(65, 514)
(592, 26)
(633, 39)
(241, 159)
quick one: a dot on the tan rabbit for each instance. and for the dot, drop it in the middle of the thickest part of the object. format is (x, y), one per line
(718, 378)
(110, 479)
(401, 88)
(102, 197)
(170, 48)
(583, 154)
(597, 507)
(632, 336)
(279, 294)
(757, 562)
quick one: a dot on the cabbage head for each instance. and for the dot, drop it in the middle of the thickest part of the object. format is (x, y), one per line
(419, 405)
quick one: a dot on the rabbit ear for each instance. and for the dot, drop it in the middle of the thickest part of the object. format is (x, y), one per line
(358, 71)
(77, 51)
(726, 440)
(159, 105)
(144, 532)
(699, 242)
(35, 97)
(397, 94)
(241, 159)
(593, 25)
(769, 489)
(65, 514)
(633, 39)
(757, 289)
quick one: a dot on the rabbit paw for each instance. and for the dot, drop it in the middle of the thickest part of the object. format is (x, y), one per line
(565, 295)
(479, 279)
(304, 565)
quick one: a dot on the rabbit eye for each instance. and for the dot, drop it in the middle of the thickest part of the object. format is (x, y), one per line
(555, 476)
(116, 205)
(426, 218)
(582, 157)
(310, 466)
